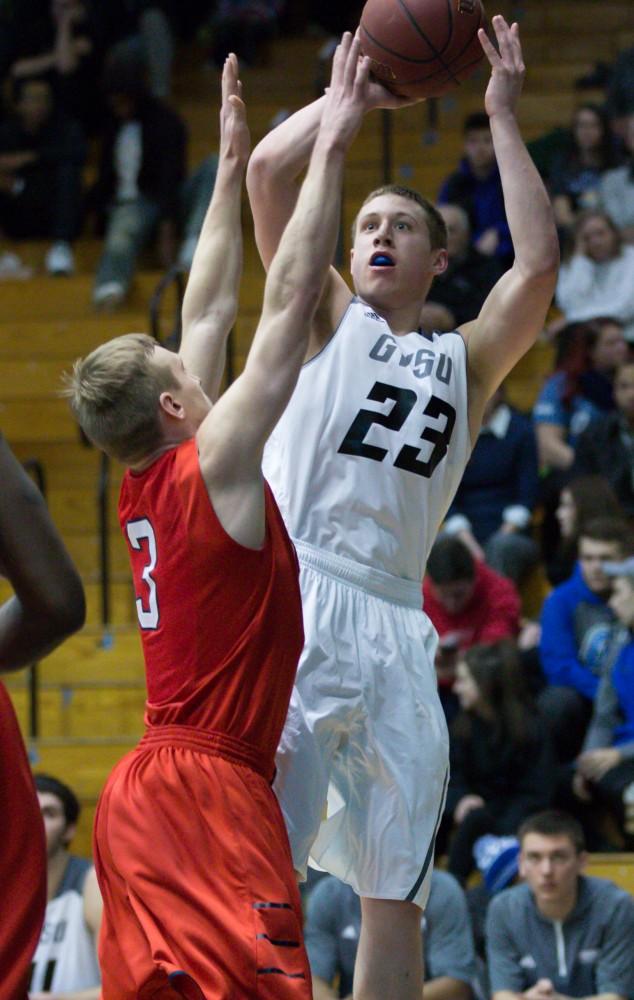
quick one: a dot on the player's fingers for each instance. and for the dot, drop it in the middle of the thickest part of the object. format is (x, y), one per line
(339, 59)
(503, 35)
(489, 48)
(362, 76)
(516, 45)
(352, 63)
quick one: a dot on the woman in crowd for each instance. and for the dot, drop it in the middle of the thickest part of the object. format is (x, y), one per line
(501, 757)
(580, 501)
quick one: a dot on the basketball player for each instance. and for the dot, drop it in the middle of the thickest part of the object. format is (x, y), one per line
(191, 852)
(364, 464)
(47, 605)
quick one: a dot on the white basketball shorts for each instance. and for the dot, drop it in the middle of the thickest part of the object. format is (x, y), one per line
(363, 760)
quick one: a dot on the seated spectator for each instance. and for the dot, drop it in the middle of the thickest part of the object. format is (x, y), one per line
(598, 279)
(582, 500)
(477, 188)
(607, 448)
(42, 152)
(576, 172)
(617, 188)
(469, 277)
(333, 927)
(468, 604)
(605, 769)
(561, 933)
(61, 41)
(501, 761)
(493, 507)
(577, 628)
(65, 961)
(579, 390)
(141, 173)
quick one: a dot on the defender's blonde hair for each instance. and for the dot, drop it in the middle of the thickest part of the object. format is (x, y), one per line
(114, 394)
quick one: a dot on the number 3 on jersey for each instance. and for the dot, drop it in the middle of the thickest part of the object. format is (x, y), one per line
(404, 402)
(140, 532)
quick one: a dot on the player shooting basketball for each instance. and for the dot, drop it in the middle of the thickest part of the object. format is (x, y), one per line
(364, 464)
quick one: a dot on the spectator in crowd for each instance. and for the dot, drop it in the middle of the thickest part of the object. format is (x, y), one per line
(617, 188)
(143, 29)
(42, 152)
(580, 388)
(469, 277)
(620, 94)
(468, 604)
(576, 172)
(333, 925)
(605, 769)
(477, 188)
(561, 933)
(141, 173)
(598, 278)
(607, 448)
(492, 509)
(61, 41)
(65, 961)
(243, 27)
(577, 629)
(501, 760)
(582, 500)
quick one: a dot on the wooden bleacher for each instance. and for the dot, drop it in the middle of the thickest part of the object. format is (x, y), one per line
(91, 701)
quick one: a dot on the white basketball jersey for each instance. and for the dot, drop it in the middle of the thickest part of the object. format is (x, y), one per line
(368, 455)
(65, 959)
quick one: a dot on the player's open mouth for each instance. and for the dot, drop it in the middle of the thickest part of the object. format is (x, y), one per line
(381, 260)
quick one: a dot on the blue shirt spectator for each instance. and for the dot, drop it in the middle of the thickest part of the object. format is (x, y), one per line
(574, 416)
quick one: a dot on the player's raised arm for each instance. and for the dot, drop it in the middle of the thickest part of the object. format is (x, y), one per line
(232, 438)
(48, 602)
(514, 312)
(211, 299)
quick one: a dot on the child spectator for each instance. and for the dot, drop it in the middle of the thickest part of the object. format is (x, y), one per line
(501, 761)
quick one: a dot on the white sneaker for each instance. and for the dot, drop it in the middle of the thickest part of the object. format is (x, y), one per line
(60, 260)
(12, 267)
(108, 296)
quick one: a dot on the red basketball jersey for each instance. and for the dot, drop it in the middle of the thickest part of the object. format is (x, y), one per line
(221, 624)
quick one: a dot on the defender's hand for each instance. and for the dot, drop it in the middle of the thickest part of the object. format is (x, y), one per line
(235, 141)
(507, 68)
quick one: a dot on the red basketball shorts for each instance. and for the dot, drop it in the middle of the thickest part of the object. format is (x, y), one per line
(194, 866)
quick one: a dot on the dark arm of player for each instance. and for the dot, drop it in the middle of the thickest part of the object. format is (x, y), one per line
(48, 601)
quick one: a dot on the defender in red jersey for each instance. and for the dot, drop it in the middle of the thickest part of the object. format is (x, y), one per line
(191, 851)
(47, 605)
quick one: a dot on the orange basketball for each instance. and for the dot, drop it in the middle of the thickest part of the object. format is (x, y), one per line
(422, 48)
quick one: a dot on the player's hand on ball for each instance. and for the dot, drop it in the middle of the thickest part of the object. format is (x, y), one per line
(380, 97)
(235, 141)
(507, 68)
(347, 95)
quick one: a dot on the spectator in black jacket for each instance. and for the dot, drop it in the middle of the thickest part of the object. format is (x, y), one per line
(140, 177)
(469, 277)
(607, 448)
(500, 754)
(42, 152)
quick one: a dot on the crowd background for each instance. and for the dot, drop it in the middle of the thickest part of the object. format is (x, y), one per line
(107, 161)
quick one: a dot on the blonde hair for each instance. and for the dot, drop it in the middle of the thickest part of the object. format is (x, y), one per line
(435, 222)
(114, 394)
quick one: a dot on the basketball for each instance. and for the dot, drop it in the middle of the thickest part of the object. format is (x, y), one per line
(422, 48)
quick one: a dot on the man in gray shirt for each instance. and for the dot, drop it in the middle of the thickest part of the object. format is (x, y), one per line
(560, 934)
(333, 924)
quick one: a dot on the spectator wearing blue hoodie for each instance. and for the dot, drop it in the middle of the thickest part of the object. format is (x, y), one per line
(477, 188)
(605, 768)
(578, 627)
